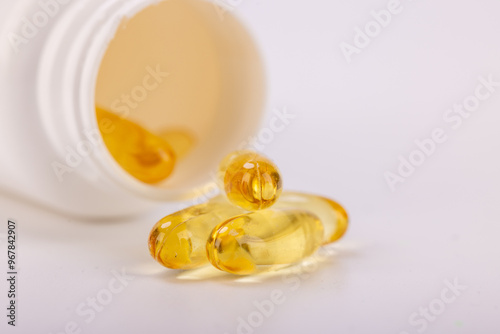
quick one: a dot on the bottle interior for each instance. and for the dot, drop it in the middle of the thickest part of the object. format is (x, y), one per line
(184, 73)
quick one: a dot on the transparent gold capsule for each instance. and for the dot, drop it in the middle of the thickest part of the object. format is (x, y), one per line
(245, 244)
(142, 154)
(333, 216)
(178, 241)
(250, 180)
(181, 141)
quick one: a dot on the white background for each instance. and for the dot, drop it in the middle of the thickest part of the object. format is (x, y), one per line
(353, 121)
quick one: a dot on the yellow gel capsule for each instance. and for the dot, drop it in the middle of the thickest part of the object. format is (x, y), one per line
(142, 154)
(333, 216)
(250, 180)
(260, 240)
(181, 141)
(179, 240)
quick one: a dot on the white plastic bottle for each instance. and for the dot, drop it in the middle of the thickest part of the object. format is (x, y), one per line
(173, 63)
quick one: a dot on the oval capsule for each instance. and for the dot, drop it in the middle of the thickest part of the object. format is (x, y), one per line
(333, 215)
(247, 243)
(178, 241)
(250, 180)
(144, 155)
(181, 141)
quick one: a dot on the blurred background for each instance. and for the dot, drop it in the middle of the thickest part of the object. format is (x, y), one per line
(389, 107)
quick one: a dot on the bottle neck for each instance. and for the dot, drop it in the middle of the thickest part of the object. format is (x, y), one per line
(70, 61)
(66, 82)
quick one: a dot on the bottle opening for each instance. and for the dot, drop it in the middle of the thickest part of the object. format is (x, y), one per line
(180, 72)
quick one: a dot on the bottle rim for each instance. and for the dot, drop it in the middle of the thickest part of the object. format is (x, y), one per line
(67, 76)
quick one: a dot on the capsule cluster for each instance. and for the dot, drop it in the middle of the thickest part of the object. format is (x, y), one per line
(253, 226)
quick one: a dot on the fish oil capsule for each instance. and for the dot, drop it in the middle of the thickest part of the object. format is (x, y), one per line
(247, 243)
(142, 154)
(250, 180)
(181, 141)
(333, 216)
(179, 240)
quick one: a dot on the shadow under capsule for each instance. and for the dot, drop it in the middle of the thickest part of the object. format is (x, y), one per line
(327, 256)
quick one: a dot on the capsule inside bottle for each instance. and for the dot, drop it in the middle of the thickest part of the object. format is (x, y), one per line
(178, 241)
(245, 244)
(250, 180)
(181, 141)
(142, 154)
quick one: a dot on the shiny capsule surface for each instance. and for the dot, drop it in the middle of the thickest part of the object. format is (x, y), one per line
(332, 215)
(250, 180)
(178, 241)
(261, 240)
(142, 154)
